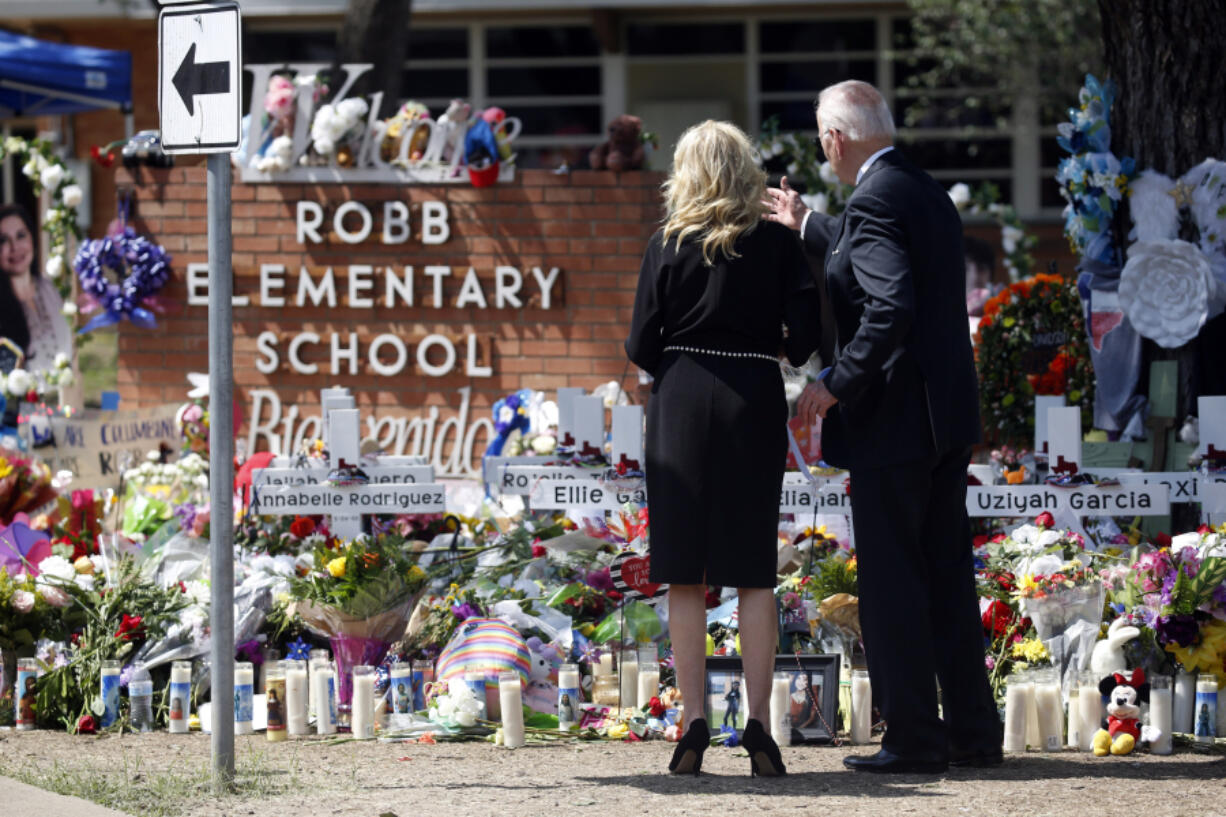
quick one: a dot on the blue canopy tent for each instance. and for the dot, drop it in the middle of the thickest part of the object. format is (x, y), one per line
(40, 78)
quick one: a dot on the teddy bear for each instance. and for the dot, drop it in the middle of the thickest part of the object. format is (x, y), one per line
(624, 148)
(1122, 728)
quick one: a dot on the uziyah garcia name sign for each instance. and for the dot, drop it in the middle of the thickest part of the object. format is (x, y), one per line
(1028, 500)
(353, 500)
(561, 494)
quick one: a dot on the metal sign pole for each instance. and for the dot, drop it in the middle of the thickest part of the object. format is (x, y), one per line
(221, 469)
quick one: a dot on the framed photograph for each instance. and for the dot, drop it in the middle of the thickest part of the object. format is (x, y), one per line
(726, 704)
(813, 695)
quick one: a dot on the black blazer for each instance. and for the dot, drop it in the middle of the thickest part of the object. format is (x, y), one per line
(903, 368)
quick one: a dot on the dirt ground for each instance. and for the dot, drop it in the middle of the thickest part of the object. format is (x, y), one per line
(159, 774)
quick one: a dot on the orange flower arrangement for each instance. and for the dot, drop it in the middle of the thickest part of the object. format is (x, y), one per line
(1042, 304)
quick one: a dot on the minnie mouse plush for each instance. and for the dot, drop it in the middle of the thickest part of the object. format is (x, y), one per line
(1122, 728)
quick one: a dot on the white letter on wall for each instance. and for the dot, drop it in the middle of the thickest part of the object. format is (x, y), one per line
(197, 284)
(434, 226)
(350, 353)
(266, 343)
(395, 221)
(396, 286)
(423, 350)
(388, 369)
(325, 290)
(507, 283)
(437, 273)
(359, 281)
(338, 222)
(294, 360)
(470, 291)
(546, 284)
(310, 216)
(270, 279)
(265, 430)
(472, 369)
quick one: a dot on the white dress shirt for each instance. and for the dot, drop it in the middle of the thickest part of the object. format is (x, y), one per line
(859, 175)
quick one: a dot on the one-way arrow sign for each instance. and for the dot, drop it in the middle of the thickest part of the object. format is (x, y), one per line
(201, 78)
(199, 62)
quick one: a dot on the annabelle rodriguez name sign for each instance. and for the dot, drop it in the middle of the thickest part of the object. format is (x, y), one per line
(354, 500)
(1029, 500)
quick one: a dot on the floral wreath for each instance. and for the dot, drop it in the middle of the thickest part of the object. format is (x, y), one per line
(1005, 340)
(133, 296)
(48, 174)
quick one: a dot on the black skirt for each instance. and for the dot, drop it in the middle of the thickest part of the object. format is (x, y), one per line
(716, 449)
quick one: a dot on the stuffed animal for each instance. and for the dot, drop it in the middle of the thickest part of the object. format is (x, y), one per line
(1122, 728)
(624, 149)
(1108, 655)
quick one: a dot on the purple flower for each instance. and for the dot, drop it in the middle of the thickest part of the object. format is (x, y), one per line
(732, 739)
(125, 674)
(466, 611)
(989, 662)
(599, 579)
(1180, 629)
(250, 651)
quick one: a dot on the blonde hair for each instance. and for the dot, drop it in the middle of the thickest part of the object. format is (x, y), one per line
(715, 190)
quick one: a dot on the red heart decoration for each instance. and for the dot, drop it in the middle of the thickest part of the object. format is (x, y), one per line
(634, 574)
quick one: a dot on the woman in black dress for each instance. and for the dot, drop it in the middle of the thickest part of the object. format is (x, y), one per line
(717, 286)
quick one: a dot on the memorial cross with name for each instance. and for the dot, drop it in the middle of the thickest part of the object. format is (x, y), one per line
(389, 486)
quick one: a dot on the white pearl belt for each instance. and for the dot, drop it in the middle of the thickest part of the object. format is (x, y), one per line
(720, 353)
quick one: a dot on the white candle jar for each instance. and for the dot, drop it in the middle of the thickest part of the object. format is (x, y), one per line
(180, 696)
(1161, 713)
(362, 717)
(244, 697)
(510, 697)
(297, 694)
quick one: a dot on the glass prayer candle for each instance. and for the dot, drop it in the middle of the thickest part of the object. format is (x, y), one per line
(297, 695)
(568, 696)
(1019, 696)
(25, 693)
(274, 697)
(1161, 712)
(648, 683)
(1205, 718)
(861, 706)
(180, 697)
(110, 692)
(363, 714)
(781, 708)
(510, 697)
(244, 697)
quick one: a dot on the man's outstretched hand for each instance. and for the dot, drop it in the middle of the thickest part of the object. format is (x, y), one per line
(815, 401)
(785, 205)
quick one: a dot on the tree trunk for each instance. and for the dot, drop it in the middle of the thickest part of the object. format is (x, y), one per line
(377, 31)
(1167, 57)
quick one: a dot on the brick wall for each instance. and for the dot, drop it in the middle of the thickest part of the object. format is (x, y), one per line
(591, 225)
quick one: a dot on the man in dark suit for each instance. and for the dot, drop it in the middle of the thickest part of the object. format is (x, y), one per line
(900, 409)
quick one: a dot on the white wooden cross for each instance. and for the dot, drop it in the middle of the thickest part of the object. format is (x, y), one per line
(395, 486)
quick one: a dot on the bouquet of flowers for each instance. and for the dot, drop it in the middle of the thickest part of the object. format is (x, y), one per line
(1180, 595)
(1038, 584)
(25, 486)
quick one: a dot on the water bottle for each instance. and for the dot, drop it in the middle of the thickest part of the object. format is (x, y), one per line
(140, 701)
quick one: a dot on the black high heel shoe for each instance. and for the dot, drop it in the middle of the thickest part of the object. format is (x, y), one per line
(765, 759)
(687, 757)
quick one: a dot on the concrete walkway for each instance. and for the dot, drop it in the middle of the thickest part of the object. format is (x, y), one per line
(21, 800)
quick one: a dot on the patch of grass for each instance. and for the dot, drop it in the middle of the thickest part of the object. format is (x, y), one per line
(127, 783)
(98, 362)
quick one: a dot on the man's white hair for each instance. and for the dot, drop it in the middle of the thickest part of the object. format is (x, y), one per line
(857, 109)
